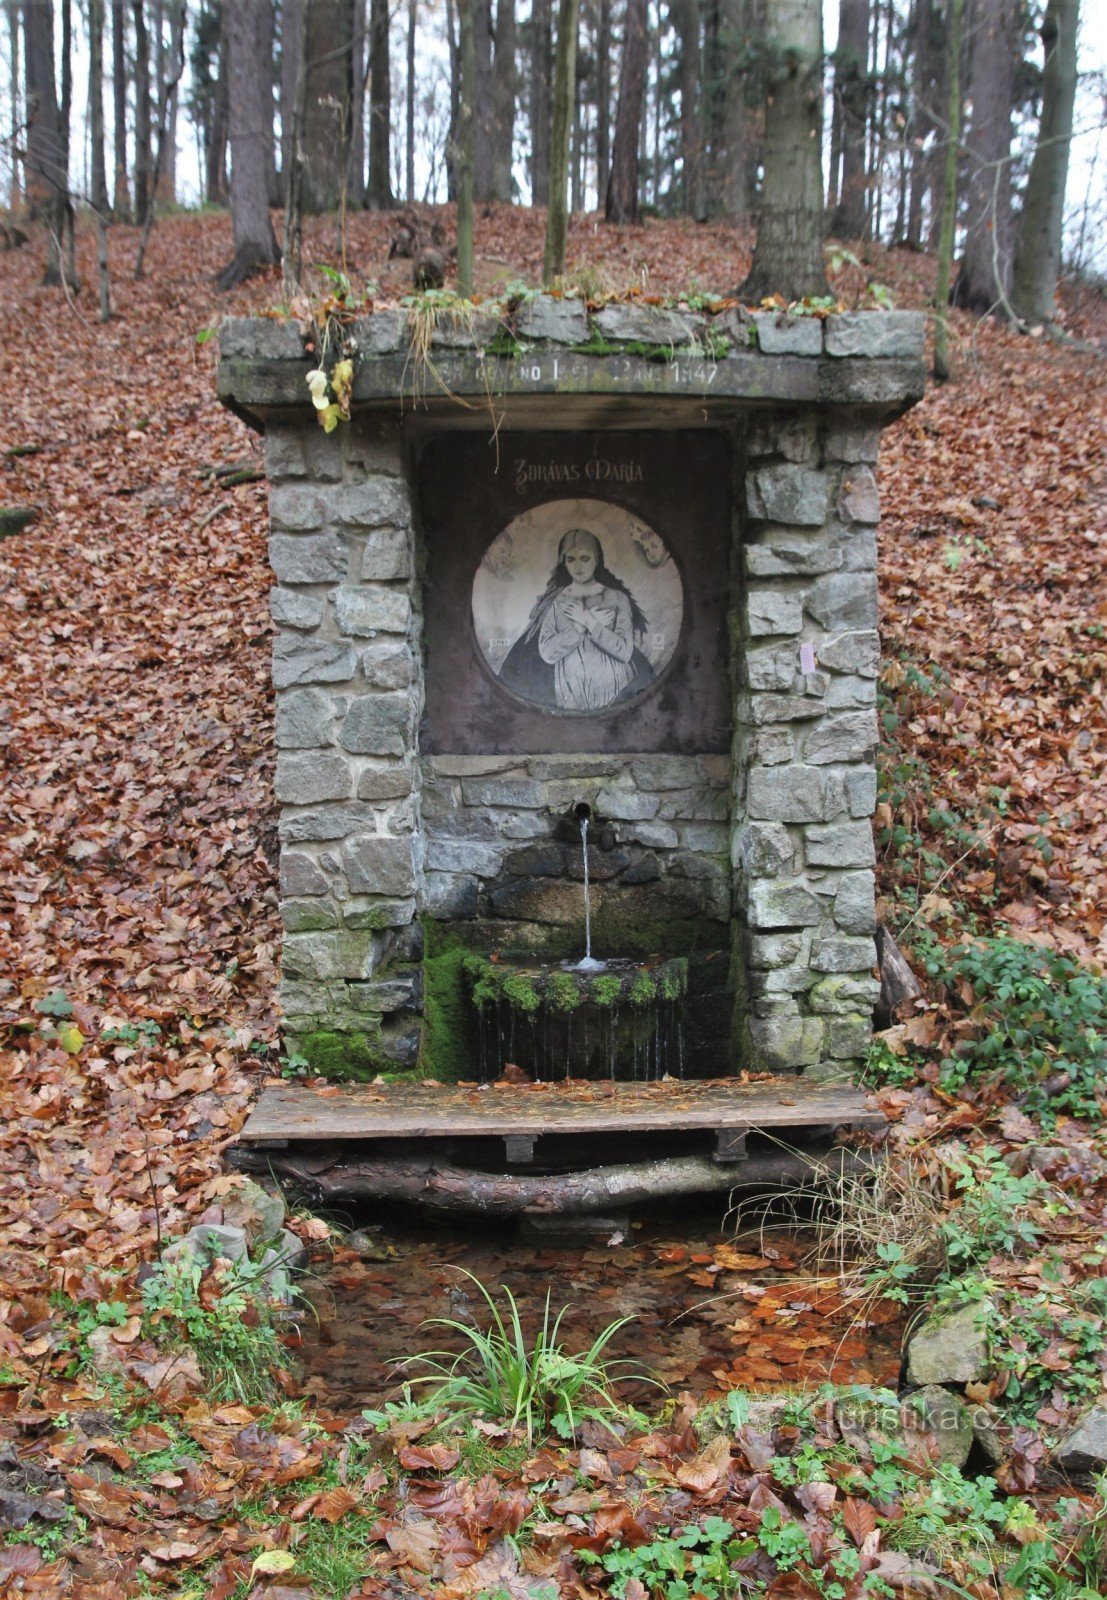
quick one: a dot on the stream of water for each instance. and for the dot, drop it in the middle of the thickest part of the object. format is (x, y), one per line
(587, 964)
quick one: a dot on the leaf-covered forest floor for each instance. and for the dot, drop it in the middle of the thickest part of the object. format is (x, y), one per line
(137, 886)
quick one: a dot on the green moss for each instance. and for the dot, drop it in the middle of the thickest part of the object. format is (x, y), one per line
(606, 989)
(520, 992)
(564, 991)
(643, 990)
(344, 1057)
(449, 1049)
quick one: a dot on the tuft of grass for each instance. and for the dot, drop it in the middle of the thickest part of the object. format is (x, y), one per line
(530, 1384)
(223, 1316)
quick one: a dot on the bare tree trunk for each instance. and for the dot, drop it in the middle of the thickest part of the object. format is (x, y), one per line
(1038, 256)
(379, 196)
(292, 254)
(735, 158)
(949, 196)
(484, 115)
(170, 90)
(220, 124)
(921, 121)
(355, 190)
(65, 205)
(409, 108)
(603, 97)
(98, 177)
(577, 135)
(143, 131)
(541, 74)
(453, 141)
(622, 188)
(557, 222)
(255, 246)
(851, 105)
(504, 90)
(177, 22)
(328, 120)
(292, 28)
(788, 257)
(984, 278)
(15, 196)
(269, 90)
(687, 22)
(46, 181)
(466, 124)
(121, 200)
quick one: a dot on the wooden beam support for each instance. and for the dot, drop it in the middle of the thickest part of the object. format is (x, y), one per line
(519, 1149)
(730, 1144)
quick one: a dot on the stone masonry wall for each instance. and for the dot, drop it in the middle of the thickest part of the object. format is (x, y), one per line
(805, 743)
(348, 678)
(763, 864)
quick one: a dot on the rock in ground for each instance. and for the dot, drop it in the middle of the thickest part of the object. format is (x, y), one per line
(951, 1347)
(1085, 1448)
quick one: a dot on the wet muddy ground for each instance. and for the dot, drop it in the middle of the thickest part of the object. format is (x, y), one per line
(713, 1310)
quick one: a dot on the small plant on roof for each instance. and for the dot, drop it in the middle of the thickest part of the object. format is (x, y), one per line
(531, 1384)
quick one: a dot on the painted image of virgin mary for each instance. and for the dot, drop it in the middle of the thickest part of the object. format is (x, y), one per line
(579, 650)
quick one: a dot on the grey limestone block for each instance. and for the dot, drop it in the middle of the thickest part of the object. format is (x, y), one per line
(514, 792)
(772, 611)
(380, 913)
(1084, 1450)
(306, 779)
(381, 333)
(783, 1042)
(736, 324)
(337, 953)
(839, 844)
(373, 503)
(773, 667)
(875, 334)
(455, 332)
(376, 864)
(309, 916)
(388, 665)
(672, 772)
(850, 736)
(858, 499)
(386, 555)
(292, 608)
(556, 321)
(765, 849)
(641, 324)
(378, 725)
(778, 334)
(475, 766)
(841, 994)
(854, 653)
(852, 441)
(385, 780)
(285, 456)
(791, 794)
(859, 552)
(796, 438)
(467, 856)
(775, 982)
(301, 874)
(850, 694)
(787, 493)
(522, 825)
(328, 823)
(626, 805)
(791, 558)
(855, 903)
(305, 719)
(656, 835)
(303, 997)
(704, 838)
(843, 600)
(306, 659)
(369, 609)
(760, 710)
(767, 950)
(848, 1038)
(952, 1347)
(296, 507)
(260, 339)
(780, 903)
(772, 747)
(843, 954)
(384, 994)
(694, 805)
(308, 558)
(450, 896)
(860, 789)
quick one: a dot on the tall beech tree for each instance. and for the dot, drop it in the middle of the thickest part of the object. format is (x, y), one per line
(541, 79)
(1038, 254)
(254, 241)
(557, 221)
(378, 194)
(995, 38)
(788, 255)
(850, 119)
(622, 186)
(46, 161)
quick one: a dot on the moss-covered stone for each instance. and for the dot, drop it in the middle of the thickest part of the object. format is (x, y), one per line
(449, 1048)
(343, 1056)
(563, 989)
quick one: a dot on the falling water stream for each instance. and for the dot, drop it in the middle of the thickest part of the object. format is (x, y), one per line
(587, 964)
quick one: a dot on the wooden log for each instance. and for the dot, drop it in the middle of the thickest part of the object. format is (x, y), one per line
(897, 982)
(440, 1185)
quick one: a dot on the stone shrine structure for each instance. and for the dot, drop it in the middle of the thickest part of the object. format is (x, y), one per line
(618, 566)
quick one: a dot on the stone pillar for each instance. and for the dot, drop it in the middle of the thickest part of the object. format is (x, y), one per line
(805, 745)
(347, 610)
